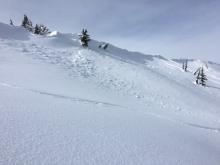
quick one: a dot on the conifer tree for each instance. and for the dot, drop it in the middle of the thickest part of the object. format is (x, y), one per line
(26, 23)
(183, 66)
(198, 77)
(186, 66)
(43, 30)
(203, 78)
(84, 38)
(11, 22)
(37, 29)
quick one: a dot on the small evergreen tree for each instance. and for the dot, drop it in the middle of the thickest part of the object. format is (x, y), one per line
(43, 30)
(198, 77)
(84, 38)
(27, 24)
(203, 78)
(11, 22)
(25, 21)
(183, 66)
(36, 29)
(186, 66)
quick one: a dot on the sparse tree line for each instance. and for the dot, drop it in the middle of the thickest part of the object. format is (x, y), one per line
(41, 29)
(201, 77)
(84, 37)
(38, 29)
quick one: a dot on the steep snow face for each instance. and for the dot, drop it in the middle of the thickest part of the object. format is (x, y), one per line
(64, 104)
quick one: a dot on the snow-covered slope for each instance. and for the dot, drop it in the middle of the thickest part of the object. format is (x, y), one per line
(64, 104)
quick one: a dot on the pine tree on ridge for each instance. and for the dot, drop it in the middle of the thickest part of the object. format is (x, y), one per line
(84, 38)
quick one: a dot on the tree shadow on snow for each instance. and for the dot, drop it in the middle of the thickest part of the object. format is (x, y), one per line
(214, 87)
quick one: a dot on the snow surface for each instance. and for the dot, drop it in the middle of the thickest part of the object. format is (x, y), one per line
(64, 104)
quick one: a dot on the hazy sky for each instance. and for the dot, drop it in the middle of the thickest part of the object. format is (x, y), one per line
(172, 28)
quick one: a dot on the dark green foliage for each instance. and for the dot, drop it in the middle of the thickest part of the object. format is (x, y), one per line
(84, 38)
(41, 29)
(11, 23)
(198, 77)
(44, 30)
(185, 65)
(25, 21)
(203, 78)
(37, 29)
(27, 24)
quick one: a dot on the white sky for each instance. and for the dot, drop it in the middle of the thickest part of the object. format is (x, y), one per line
(172, 28)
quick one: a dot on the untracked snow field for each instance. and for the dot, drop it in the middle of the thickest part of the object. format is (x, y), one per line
(64, 104)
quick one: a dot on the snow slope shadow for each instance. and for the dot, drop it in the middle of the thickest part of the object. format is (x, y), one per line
(204, 127)
(62, 96)
(75, 98)
(213, 87)
(101, 103)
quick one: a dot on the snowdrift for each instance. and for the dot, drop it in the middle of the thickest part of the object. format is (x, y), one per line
(12, 32)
